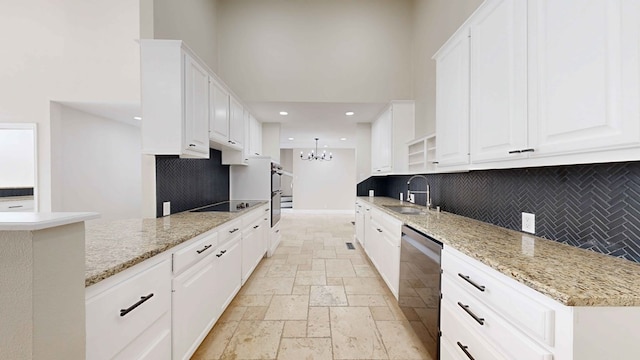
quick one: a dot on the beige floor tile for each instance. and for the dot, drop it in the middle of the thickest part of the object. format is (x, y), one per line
(328, 296)
(318, 265)
(360, 260)
(318, 324)
(310, 278)
(214, 344)
(279, 271)
(305, 349)
(365, 271)
(255, 313)
(299, 259)
(255, 340)
(252, 300)
(324, 254)
(355, 335)
(380, 313)
(364, 286)
(335, 281)
(268, 286)
(401, 341)
(283, 249)
(339, 268)
(288, 307)
(234, 313)
(295, 328)
(366, 300)
(305, 267)
(301, 289)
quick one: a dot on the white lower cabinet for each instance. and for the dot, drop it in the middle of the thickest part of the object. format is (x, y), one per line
(253, 248)
(130, 317)
(382, 245)
(228, 279)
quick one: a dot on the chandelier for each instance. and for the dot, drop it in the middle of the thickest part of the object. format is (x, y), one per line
(315, 156)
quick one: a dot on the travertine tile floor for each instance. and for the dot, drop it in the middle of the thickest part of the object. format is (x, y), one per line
(314, 299)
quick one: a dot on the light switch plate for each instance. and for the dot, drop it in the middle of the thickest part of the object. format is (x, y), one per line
(166, 208)
(529, 222)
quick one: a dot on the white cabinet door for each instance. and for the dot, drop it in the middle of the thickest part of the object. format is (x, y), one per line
(194, 308)
(255, 134)
(360, 223)
(452, 101)
(228, 278)
(196, 100)
(252, 248)
(583, 75)
(498, 99)
(390, 260)
(236, 123)
(381, 142)
(219, 112)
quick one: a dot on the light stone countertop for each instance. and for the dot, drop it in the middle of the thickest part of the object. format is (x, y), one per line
(115, 245)
(572, 276)
(16, 198)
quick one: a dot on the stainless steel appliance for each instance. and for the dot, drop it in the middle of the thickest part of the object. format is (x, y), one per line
(229, 206)
(276, 193)
(419, 289)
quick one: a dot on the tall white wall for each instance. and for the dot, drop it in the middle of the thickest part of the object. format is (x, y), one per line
(318, 51)
(65, 50)
(363, 151)
(434, 21)
(97, 166)
(194, 21)
(17, 158)
(271, 140)
(324, 185)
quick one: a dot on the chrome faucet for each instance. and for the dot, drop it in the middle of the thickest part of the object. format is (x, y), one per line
(428, 204)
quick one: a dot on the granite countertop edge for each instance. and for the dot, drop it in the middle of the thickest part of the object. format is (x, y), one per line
(145, 238)
(567, 278)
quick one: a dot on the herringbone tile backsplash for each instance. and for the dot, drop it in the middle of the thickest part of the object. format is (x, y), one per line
(594, 206)
(191, 183)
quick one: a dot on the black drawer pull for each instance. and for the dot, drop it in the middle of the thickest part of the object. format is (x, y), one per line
(124, 312)
(266, 209)
(466, 278)
(527, 150)
(474, 316)
(277, 231)
(221, 253)
(256, 153)
(234, 230)
(379, 230)
(15, 206)
(464, 349)
(257, 226)
(515, 152)
(192, 145)
(203, 249)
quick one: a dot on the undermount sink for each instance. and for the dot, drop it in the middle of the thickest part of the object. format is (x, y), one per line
(404, 209)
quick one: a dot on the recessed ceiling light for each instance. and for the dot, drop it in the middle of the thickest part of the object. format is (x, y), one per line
(290, 139)
(326, 146)
(349, 113)
(284, 113)
(137, 118)
(343, 139)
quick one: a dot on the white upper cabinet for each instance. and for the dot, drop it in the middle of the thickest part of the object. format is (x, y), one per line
(452, 101)
(236, 124)
(389, 135)
(175, 106)
(583, 75)
(219, 112)
(255, 136)
(498, 80)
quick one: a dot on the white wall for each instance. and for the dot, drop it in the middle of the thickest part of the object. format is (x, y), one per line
(324, 185)
(286, 160)
(65, 50)
(193, 21)
(271, 140)
(363, 151)
(434, 21)
(17, 158)
(97, 166)
(318, 51)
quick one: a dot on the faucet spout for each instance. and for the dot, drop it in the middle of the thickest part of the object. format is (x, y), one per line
(427, 190)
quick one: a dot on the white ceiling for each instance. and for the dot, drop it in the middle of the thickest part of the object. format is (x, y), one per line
(123, 112)
(308, 120)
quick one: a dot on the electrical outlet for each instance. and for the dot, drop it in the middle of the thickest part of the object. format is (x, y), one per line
(412, 198)
(166, 208)
(529, 222)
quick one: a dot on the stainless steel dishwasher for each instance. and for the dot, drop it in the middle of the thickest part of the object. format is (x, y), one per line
(419, 289)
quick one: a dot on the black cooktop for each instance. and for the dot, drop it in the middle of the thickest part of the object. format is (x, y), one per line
(229, 206)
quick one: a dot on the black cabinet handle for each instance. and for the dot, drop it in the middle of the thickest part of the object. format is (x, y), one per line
(203, 249)
(232, 231)
(192, 145)
(265, 219)
(15, 206)
(256, 153)
(515, 152)
(435, 162)
(379, 230)
(124, 312)
(266, 209)
(468, 311)
(466, 278)
(464, 349)
(527, 150)
(257, 226)
(277, 231)
(221, 253)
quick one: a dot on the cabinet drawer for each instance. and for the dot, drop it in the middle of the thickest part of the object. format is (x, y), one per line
(17, 205)
(500, 294)
(459, 336)
(126, 310)
(388, 224)
(228, 230)
(482, 320)
(198, 250)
